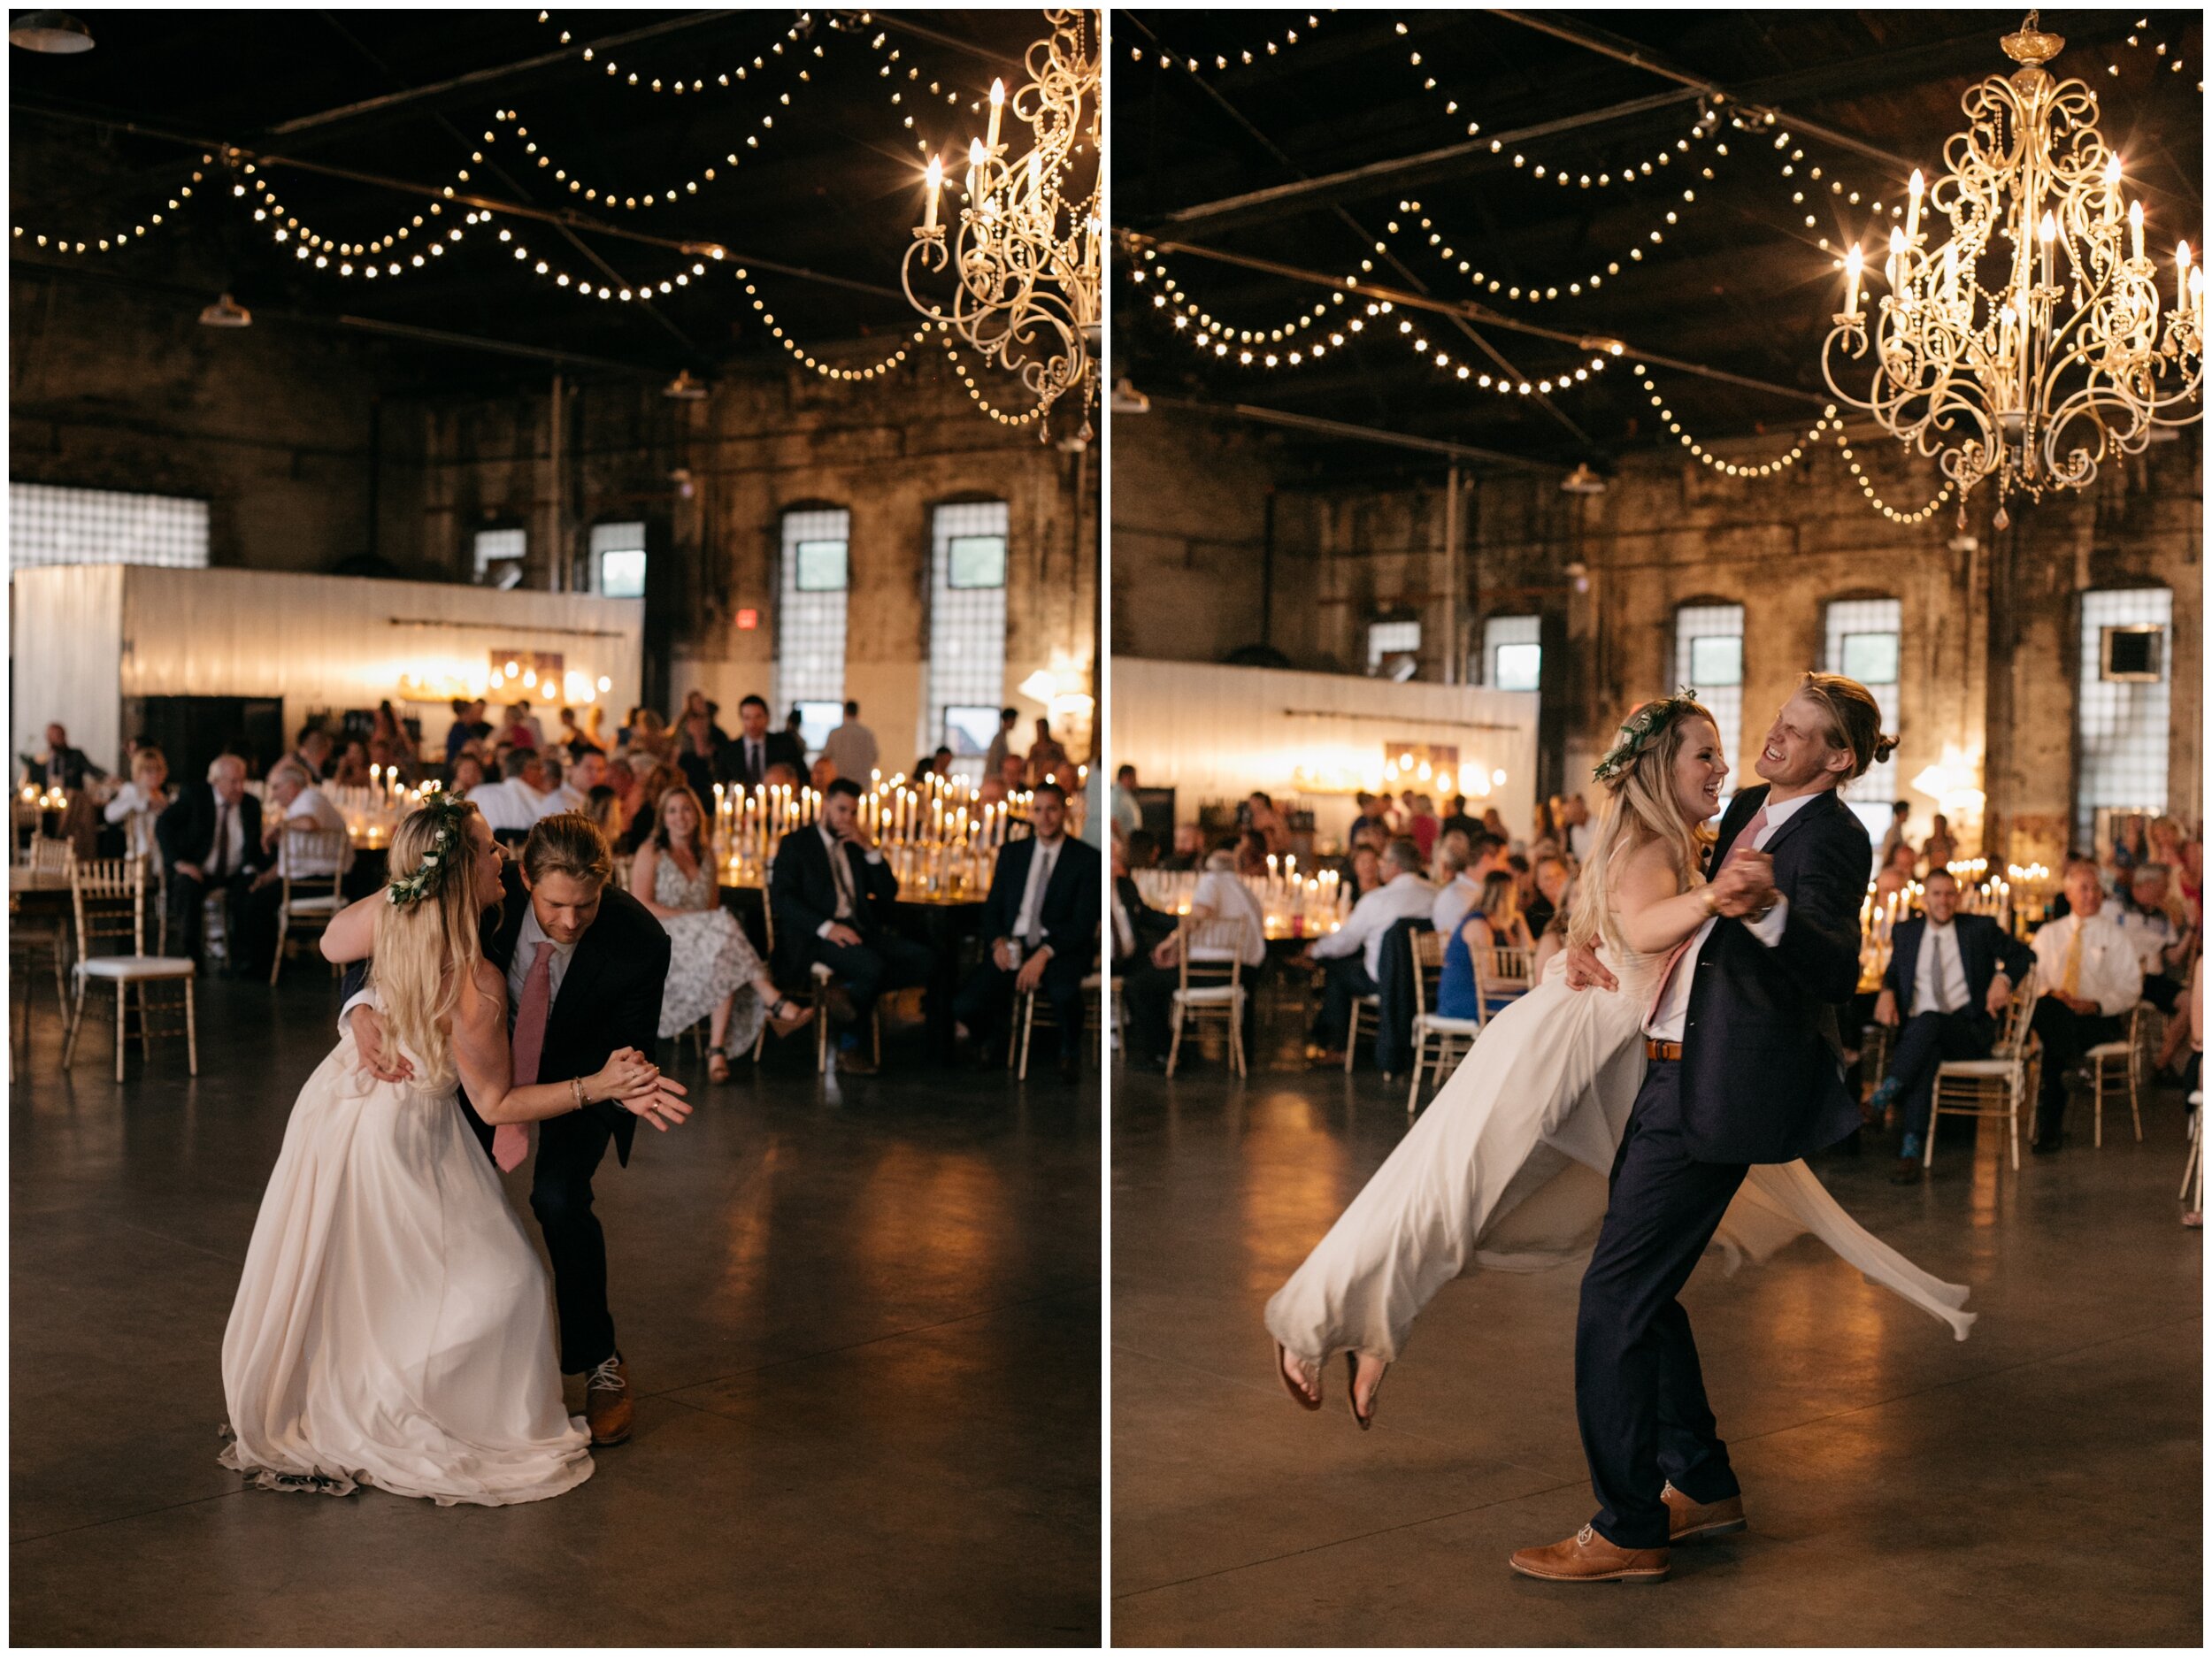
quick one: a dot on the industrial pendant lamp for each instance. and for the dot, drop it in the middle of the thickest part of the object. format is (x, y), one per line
(49, 32)
(226, 313)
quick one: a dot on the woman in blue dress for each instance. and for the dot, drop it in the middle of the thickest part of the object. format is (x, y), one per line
(1495, 923)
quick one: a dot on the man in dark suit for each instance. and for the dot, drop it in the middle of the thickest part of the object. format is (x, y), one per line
(1949, 977)
(833, 894)
(1744, 1067)
(64, 767)
(1042, 917)
(604, 959)
(210, 838)
(746, 759)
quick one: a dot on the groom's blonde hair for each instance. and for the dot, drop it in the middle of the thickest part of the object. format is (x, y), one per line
(1640, 808)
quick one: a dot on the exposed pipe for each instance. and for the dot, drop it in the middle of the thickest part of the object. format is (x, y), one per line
(1356, 433)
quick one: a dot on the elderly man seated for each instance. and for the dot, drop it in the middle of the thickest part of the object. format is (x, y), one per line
(1149, 991)
(294, 802)
(511, 805)
(2092, 978)
(212, 836)
(1351, 956)
(2162, 943)
(1950, 976)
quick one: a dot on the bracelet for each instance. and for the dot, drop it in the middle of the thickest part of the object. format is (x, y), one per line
(577, 1082)
(1706, 897)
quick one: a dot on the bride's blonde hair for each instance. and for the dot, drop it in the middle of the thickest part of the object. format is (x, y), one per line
(1640, 808)
(427, 941)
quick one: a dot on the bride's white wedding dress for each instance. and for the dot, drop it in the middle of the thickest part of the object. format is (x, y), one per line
(1508, 1168)
(393, 1325)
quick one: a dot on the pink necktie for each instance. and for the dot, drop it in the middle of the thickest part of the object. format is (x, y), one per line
(510, 1142)
(1749, 836)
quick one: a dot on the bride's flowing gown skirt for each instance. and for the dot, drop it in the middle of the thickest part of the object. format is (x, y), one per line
(1508, 1168)
(393, 1325)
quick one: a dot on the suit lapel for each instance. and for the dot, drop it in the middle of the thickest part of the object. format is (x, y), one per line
(1824, 802)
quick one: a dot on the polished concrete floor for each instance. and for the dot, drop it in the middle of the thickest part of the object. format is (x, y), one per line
(862, 1322)
(2037, 1484)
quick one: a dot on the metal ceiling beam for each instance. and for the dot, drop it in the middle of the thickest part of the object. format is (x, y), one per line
(1468, 310)
(477, 80)
(559, 217)
(1316, 427)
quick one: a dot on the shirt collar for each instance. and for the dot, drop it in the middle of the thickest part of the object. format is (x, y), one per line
(1777, 815)
(533, 934)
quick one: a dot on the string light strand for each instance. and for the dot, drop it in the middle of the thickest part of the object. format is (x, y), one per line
(1273, 46)
(122, 238)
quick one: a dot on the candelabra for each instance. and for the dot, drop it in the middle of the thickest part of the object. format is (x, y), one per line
(2054, 359)
(1026, 254)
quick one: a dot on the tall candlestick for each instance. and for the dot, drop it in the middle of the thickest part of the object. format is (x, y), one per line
(1912, 204)
(1853, 263)
(998, 103)
(2135, 227)
(931, 182)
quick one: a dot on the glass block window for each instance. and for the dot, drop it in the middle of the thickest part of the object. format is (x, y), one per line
(1512, 656)
(499, 556)
(49, 525)
(2123, 713)
(1709, 654)
(617, 560)
(1863, 638)
(967, 627)
(1393, 649)
(811, 619)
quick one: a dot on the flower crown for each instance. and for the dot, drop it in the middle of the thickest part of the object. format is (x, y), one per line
(451, 810)
(1636, 735)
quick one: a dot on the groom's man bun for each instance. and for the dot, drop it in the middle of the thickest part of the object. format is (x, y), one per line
(568, 843)
(1855, 718)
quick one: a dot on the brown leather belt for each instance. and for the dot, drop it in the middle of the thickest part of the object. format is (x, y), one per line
(1662, 1049)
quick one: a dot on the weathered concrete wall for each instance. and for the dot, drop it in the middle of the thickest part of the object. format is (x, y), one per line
(1989, 651)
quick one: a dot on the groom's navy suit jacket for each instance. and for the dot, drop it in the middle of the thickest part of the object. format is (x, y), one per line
(1762, 1077)
(610, 996)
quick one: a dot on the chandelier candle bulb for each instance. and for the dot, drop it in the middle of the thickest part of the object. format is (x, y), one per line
(1896, 259)
(931, 182)
(998, 106)
(1853, 263)
(1912, 206)
(2135, 229)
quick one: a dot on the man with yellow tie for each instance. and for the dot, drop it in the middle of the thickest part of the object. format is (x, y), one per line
(2093, 977)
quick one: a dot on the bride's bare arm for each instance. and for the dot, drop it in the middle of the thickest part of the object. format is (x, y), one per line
(351, 934)
(1651, 915)
(481, 1053)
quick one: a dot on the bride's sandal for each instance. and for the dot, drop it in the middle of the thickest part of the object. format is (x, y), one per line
(1351, 1391)
(784, 1016)
(1303, 1399)
(718, 1065)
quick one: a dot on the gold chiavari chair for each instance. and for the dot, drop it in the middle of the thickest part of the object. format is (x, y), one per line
(1212, 988)
(1035, 1009)
(1998, 1086)
(2124, 1066)
(1437, 1038)
(312, 862)
(108, 898)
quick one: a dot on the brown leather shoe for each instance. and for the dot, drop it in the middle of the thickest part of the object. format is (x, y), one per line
(1586, 1556)
(607, 1402)
(851, 1064)
(1690, 1521)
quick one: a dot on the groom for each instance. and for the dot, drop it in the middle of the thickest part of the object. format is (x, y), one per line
(585, 964)
(1745, 1067)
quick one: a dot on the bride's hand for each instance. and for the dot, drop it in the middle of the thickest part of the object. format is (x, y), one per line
(626, 1071)
(661, 1104)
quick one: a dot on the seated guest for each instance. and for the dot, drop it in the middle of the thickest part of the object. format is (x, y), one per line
(1042, 918)
(696, 702)
(571, 740)
(2161, 943)
(1554, 875)
(782, 775)
(1189, 850)
(649, 734)
(1352, 953)
(696, 753)
(1365, 835)
(1493, 825)
(992, 792)
(522, 729)
(714, 972)
(1495, 923)
(509, 805)
(833, 894)
(824, 773)
(1366, 870)
(212, 836)
(1013, 771)
(1949, 977)
(2093, 977)
(352, 768)
(139, 801)
(1149, 995)
(292, 802)
(603, 807)
(850, 748)
(1456, 892)
(468, 774)
(390, 764)
(314, 752)
(745, 761)
(584, 774)
(1048, 760)
(1458, 822)
(1456, 900)
(645, 803)
(1424, 826)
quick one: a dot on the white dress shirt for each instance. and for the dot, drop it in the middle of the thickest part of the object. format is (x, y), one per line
(1028, 920)
(840, 875)
(1669, 1018)
(504, 804)
(313, 803)
(1453, 903)
(131, 805)
(526, 944)
(1372, 917)
(2151, 932)
(1938, 976)
(1228, 898)
(2111, 971)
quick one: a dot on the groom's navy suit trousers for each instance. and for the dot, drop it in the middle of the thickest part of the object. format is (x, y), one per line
(1632, 1342)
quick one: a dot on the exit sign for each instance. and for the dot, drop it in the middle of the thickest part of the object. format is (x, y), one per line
(748, 620)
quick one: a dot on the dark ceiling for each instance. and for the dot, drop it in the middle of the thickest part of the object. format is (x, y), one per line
(403, 100)
(1738, 283)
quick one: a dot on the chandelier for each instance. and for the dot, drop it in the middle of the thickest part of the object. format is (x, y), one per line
(1024, 252)
(2029, 346)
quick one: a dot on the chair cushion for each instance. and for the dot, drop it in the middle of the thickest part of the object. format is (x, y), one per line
(822, 973)
(2107, 1050)
(1978, 1067)
(1436, 1023)
(1211, 995)
(135, 967)
(316, 906)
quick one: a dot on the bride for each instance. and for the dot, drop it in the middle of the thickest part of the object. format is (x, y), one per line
(393, 1325)
(1509, 1167)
